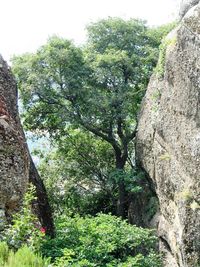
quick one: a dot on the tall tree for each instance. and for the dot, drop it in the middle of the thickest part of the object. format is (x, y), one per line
(97, 88)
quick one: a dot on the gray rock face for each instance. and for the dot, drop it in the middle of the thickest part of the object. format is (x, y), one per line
(168, 143)
(186, 5)
(16, 165)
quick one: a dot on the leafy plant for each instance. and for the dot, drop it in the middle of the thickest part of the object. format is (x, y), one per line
(166, 43)
(24, 228)
(76, 174)
(101, 241)
(4, 252)
(24, 257)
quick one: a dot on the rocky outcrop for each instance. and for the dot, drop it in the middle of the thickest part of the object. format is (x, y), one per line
(186, 5)
(16, 167)
(168, 141)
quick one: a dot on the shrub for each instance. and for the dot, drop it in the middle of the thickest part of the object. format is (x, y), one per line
(24, 228)
(4, 251)
(101, 241)
(24, 257)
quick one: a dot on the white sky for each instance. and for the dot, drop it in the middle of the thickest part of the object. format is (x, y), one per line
(26, 24)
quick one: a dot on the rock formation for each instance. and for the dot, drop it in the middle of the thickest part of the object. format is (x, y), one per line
(16, 167)
(186, 5)
(168, 140)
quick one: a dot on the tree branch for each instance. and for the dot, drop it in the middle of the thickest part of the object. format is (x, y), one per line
(132, 135)
(109, 138)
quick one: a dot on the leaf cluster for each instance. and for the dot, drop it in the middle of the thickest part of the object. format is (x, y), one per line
(98, 87)
(24, 257)
(103, 240)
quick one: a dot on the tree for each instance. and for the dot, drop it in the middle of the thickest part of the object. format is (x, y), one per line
(97, 89)
(80, 175)
(77, 174)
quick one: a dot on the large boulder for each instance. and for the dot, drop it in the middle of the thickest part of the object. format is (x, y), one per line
(16, 165)
(168, 141)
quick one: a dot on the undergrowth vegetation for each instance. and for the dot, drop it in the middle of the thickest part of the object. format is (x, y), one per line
(23, 257)
(104, 240)
(101, 241)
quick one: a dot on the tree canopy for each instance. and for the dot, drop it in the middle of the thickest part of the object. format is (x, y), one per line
(96, 89)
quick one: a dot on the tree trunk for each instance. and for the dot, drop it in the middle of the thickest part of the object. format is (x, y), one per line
(42, 206)
(122, 198)
(121, 205)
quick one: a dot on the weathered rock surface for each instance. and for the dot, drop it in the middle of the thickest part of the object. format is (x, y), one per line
(168, 143)
(186, 5)
(16, 165)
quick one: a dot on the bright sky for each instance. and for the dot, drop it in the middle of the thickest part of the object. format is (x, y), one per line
(26, 24)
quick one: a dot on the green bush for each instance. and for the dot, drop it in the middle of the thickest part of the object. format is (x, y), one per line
(102, 241)
(4, 252)
(24, 257)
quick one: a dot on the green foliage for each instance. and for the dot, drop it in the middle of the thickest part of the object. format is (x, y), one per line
(23, 229)
(24, 257)
(161, 60)
(122, 49)
(152, 207)
(95, 90)
(23, 237)
(4, 252)
(99, 88)
(131, 179)
(159, 33)
(101, 241)
(160, 68)
(76, 175)
(156, 95)
(80, 176)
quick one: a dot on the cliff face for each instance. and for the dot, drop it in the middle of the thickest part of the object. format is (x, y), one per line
(16, 165)
(168, 141)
